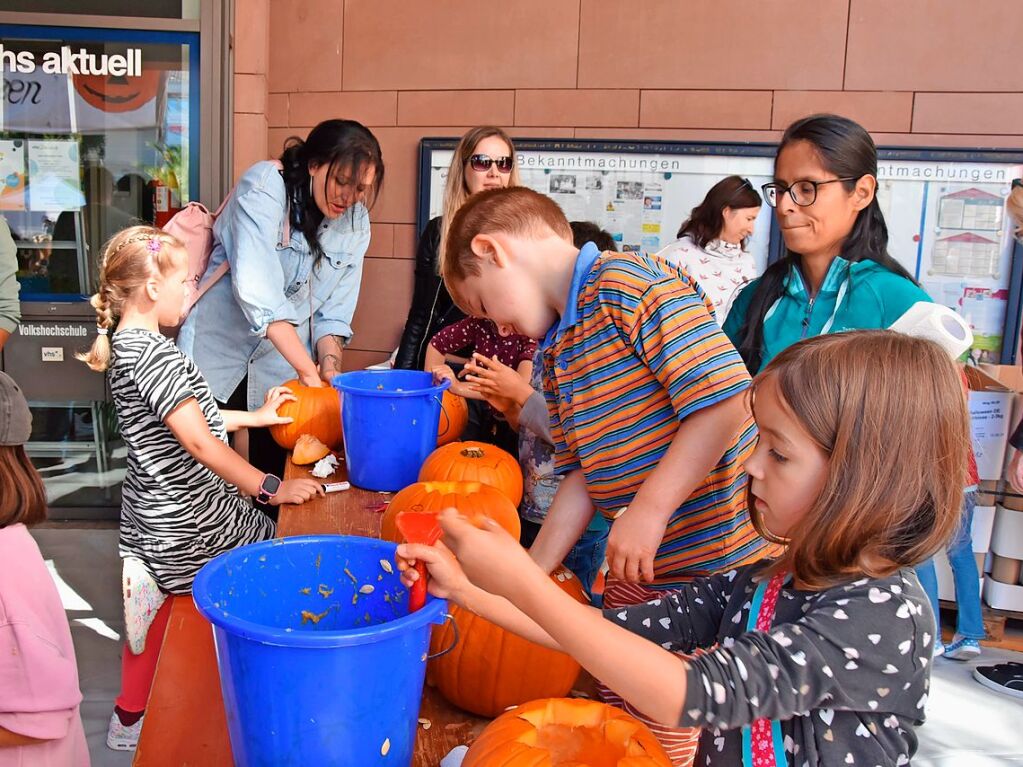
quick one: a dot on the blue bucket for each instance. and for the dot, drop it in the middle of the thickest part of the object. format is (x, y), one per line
(320, 661)
(389, 419)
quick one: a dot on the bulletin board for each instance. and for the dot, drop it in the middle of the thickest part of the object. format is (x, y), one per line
(945, 210)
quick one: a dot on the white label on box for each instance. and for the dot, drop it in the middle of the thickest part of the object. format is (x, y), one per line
(53, 354)
(989, 424)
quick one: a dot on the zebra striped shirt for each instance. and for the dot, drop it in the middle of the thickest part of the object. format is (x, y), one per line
(176, 514)
(636, 352)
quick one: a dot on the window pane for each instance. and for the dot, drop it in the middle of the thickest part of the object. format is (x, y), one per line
(152, 9)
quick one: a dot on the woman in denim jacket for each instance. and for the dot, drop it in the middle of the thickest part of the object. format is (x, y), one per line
(284, 308)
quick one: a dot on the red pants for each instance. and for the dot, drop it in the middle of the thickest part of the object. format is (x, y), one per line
(679, 743)
(137, 671)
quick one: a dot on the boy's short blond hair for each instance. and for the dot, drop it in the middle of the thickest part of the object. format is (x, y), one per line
(516, 211)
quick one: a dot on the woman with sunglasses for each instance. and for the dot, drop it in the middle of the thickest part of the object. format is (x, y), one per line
(293, 234)
(711, 244)
(836, 273)
(483, 159)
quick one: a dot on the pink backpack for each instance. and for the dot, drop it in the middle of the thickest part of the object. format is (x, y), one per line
(193, 226)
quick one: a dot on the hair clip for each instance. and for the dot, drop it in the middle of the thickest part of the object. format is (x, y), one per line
(102, 331)
(153, 245)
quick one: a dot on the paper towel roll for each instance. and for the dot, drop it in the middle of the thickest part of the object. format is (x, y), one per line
(936, 323)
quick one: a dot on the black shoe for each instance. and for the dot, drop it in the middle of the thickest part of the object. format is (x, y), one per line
(1004, 677)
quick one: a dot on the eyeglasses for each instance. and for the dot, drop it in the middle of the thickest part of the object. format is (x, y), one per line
(803, 193)
(482, 163)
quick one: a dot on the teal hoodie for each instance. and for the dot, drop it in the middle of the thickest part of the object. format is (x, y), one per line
(868, 296)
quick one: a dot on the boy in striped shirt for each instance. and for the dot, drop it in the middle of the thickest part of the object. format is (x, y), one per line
(646, 397)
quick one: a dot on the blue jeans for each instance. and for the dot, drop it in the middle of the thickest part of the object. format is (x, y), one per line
(584, 559)
(969, 622)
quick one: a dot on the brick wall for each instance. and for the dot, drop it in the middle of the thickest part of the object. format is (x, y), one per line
(913, 72)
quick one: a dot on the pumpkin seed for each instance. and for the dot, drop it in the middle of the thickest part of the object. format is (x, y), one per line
(427, 724)
(387, 741)
(366, 589)
(386, 566)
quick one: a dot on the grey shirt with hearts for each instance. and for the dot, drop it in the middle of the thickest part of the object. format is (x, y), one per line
(846, 670)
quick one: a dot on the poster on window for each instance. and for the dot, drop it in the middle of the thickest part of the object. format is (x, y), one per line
(12, 174)
(54, 179)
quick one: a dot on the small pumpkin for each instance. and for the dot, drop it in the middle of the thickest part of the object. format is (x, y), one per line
(315, 411)
(454, 416)
(475, 462)
(490, 669)
(566, 732)
(308, 450)
(473, 499)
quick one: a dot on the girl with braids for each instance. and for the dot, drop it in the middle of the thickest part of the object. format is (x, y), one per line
(180, 504)
(836, 273)
(294, 234)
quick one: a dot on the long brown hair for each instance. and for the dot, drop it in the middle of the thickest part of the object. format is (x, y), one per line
(890, 412)
(130, 258)
(456, 191)
(22, 497)
(707, 219)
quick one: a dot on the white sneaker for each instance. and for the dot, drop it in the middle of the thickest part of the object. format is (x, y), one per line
(961, 648)
(122, 738)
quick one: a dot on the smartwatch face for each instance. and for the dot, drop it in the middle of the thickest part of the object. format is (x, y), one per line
(271, 484)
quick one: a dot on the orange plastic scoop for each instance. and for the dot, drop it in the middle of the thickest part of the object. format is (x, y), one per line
(418, 527)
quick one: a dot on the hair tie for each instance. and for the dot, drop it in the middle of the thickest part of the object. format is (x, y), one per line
(102, 331)
(153, 244)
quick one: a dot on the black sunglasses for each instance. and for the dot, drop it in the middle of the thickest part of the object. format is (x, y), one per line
(482, 163)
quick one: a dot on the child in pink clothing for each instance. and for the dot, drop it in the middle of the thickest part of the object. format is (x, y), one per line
(40, 725)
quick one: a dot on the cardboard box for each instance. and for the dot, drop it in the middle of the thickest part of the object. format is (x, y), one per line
(990, 404)
(1007, 533)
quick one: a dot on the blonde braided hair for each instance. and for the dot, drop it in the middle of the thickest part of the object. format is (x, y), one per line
(130, 258)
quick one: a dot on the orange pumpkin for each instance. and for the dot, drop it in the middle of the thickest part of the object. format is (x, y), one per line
(315, 411)
(113, 93)
(490, 669)
(454, 415)
(566, 732)
(473, 499)
(308, 450)
(475, 462)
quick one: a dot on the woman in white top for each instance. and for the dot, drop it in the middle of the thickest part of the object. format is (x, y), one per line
(711, 244)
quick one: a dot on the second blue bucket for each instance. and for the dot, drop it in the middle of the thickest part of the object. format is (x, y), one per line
(390, 420)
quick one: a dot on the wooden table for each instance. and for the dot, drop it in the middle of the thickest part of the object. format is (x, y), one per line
(185, 722)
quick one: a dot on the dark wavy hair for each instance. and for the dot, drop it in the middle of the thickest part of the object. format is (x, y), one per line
(846, 150)
(587, 231)
(708, 218)
(344, 144)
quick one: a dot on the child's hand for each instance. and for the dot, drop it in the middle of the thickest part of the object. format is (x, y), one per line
(443, 372)
(462, 389)
(493, 378)
(490, 558)
(632, 545)
(297, 491)
(267, 414)
(447, 580)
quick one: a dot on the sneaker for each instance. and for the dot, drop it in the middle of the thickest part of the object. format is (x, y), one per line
(939, 648)
(1004, 677)
(961, 648)
(121, 737)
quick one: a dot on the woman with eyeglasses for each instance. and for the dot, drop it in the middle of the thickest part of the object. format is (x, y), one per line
(836, 273)
(292, 235)
(711, 244)
(483, 159)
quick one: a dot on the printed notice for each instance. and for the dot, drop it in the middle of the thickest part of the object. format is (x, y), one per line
(54, 180)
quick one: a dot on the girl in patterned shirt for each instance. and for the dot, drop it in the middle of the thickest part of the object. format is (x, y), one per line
(822, 655)
(180, 502)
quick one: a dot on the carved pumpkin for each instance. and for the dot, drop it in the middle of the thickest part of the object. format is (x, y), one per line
(315, 411)
(475, 462)
(473, 499)
(454, 415)
(116, 93)
(490, 669)
(566, 732)
(308, 450)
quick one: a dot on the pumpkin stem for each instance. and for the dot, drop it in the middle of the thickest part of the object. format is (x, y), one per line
(472, 452)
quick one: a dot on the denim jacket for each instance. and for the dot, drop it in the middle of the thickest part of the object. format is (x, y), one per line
(271, 281)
